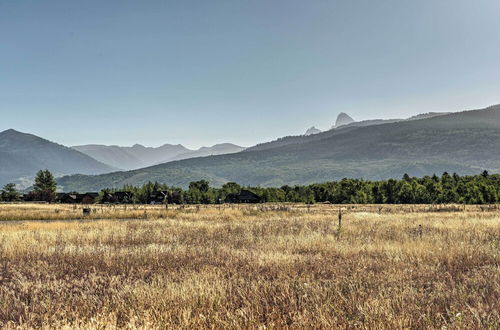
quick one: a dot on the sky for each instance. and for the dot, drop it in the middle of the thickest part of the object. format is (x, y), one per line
(205, 72)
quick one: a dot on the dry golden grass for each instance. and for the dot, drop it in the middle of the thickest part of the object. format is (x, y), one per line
(251, 267)
(39, 211)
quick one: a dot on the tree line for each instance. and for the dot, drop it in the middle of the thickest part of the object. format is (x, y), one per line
(44, 189)
(472, 189)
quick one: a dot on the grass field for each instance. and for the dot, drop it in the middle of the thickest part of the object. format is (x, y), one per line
(279, 266)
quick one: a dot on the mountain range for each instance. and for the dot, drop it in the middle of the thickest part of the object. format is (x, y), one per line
(464, 142)
(22, 155)
(345, 121)
(139, 156)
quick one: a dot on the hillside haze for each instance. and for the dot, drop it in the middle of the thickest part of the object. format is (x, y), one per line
(22, 155)
(139, 156)
(464, 142)
(336, 130)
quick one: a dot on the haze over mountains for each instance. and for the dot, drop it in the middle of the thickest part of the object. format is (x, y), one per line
(344, 121)
(22, 155)
(464, 142)
(138, 156)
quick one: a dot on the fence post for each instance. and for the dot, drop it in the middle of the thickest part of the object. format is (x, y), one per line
(339, 228)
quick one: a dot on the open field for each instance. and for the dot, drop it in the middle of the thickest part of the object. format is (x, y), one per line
(250, 266)
(43, 211)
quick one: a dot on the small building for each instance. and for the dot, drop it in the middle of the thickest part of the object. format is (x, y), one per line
(88, 198)
(108, 198)
(244, 196)
(124, 197)
(158, 197)
(118, 197)
(73, 198)
(67, 198)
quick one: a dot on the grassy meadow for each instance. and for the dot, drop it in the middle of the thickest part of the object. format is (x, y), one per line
(264, 266)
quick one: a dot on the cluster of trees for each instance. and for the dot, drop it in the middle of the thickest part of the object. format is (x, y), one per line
(476, 189)
(199, 192)
(44, 189)
(9, 193)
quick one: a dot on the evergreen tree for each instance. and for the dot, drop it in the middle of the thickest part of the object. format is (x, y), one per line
(477, 189)
(9, 193)
(44, 181)
(201, 185)
(45, 186)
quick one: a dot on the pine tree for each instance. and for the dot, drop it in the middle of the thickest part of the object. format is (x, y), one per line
(45, 186)
(9, 193)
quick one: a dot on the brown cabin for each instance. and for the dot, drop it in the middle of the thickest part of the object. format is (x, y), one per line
(87, 198)
(158, 197)
(244, 196)
(119, 197)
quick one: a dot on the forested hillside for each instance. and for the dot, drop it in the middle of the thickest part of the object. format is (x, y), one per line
(465, 143)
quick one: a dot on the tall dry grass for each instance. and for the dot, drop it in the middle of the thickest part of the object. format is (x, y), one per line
(39, 211)
(252, 268)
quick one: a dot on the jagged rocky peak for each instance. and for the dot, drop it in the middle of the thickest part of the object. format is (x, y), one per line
(312, 130)
(343, 119)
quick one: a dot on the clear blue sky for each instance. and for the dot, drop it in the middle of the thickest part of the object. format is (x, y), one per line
(202, 72)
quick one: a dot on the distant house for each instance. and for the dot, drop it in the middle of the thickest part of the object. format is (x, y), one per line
(67, 198)
(124, 197)
(158, 197)
(87, 198)
(244, 196)
(119, 197)
(108, 198)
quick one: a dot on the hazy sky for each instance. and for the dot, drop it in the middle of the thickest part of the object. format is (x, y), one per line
(203, 72)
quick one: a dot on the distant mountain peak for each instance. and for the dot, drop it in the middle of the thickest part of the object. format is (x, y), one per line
(13, 132)
(138, 155)
(343, 119)
(10, 130)
(465, 143)
(312, 130)
(23, 154)
(428, 115)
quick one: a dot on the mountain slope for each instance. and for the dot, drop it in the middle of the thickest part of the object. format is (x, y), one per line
(465, 142)
(152, 156)
(217, 149)
(336, 131)
(22, 155)
(112, 155)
